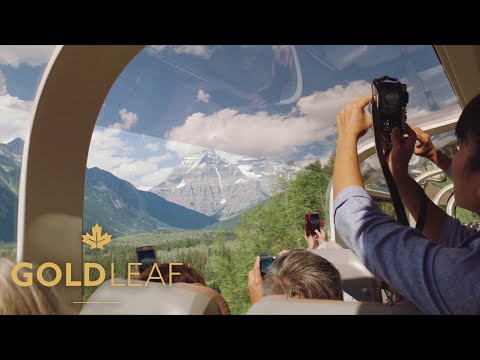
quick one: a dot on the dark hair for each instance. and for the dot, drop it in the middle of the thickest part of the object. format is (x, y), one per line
(468, 130)
(303, 273)
(187, 274)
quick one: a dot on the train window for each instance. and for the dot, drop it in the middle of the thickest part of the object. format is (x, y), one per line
(21, 70)
(214, 154)
(446, 142)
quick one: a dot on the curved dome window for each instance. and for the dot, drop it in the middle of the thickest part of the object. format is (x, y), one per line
(201, 150)
(215, 153)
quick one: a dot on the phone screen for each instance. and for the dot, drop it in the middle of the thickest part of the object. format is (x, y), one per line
(312, 223)
(145, 254)
(266, 264)
(315, 220)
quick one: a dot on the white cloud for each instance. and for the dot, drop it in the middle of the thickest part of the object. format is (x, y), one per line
(196, 50)
(32, 55)
(10, 101)
(203, 96)
(203, 51)
(3, 84)
(110, 152)
(13, 123)
(129, 119)
(182, 149)
(155, 178)
(269, 135)
(107, 150)
(156, 48)
(15, 103)
(152, 147)
(14, 114)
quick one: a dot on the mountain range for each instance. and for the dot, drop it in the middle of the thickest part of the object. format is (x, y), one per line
(10, 165)
(206, 189)
(112, 202)
(221, 184)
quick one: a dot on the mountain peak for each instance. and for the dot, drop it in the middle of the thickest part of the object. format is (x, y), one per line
(15, 146)
(220, 184)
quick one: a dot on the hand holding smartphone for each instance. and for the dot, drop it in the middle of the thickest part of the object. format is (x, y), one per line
(312, 223)
(266, 263)
(146, 255)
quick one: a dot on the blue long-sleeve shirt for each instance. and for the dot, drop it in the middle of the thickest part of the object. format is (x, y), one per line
(439, 278)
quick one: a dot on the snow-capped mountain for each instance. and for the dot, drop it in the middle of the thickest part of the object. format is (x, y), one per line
(216, 183)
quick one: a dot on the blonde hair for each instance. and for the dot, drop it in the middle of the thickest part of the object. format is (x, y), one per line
(305, 274)
(30, 300)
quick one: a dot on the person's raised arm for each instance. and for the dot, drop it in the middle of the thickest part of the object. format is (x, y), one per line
(410, 191)
(352, 123)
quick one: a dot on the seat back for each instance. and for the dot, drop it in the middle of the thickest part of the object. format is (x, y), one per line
(357, 281)
(154, 299)
(282, 305)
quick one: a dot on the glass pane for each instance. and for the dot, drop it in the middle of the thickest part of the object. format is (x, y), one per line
(214, 154)
(446, 143)
(21, 69)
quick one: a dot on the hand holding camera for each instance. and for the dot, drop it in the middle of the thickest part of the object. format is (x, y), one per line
(255, 282)
(352, 122)
(402, 150)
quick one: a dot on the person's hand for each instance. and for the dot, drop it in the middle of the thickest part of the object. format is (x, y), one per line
(255, 282)
(315, 240)
(402, 150)
(311, 242)
(352, 120)
(321, 236)
(425, 148)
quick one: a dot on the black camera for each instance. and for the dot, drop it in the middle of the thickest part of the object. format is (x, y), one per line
(389, 104)
(389, 111)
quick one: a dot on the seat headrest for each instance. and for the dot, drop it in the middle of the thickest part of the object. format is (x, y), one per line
(155, 299)
(357, 281)
(283, 305)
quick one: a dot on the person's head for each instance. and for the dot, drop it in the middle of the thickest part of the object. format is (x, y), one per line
(187, 274)
(29, 300)
(466, 162)
(301, 273)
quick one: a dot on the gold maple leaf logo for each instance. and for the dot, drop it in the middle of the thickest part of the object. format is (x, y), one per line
(97, 239)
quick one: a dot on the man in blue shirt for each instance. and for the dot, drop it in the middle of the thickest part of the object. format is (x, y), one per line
(438, 269)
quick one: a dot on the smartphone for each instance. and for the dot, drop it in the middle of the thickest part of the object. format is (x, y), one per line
(312, 223)
(146, 255)
(266, 263)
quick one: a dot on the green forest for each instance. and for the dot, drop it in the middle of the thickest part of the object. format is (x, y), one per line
(224, 256)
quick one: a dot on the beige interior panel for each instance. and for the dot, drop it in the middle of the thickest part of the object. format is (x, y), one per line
(73, 89)
(357, 281)
(462, 66)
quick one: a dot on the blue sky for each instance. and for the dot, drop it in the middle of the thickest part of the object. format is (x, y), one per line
(277, 102)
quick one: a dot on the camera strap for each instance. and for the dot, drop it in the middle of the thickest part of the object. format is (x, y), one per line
(382, 157)
(422, 212)
(392, 186)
